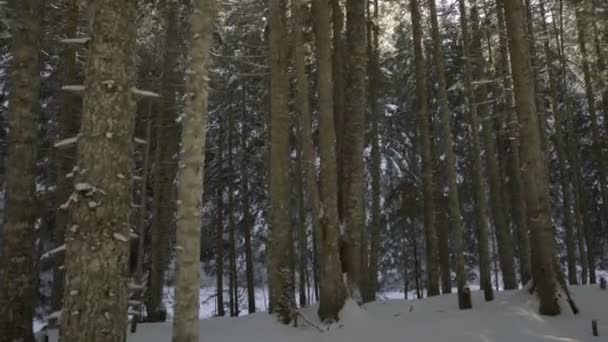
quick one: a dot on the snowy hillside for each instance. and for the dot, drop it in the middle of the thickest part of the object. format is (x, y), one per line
(512, 317)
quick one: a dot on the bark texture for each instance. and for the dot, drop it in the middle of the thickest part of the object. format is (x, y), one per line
(190, 181)
(166, 164)
(536, 184)
(280, 234)
(18, 296)
(354, 139)
(97, 241)
(480, 200)
(332, 291)
(432, 243)
(68, 126)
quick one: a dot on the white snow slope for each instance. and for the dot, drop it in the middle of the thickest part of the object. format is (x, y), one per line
(512, 317)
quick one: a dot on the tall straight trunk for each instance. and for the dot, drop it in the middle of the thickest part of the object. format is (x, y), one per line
(354, 138)
(280, 234)
(332, 291)
(514, 164)
(448, 149)
(544, 274)
(582, 26)
(601, 55)
(233, 281)
(432, 243)
(582, 219)
(219, 234)
(142, 212)
(339, 79)
(190, 180)
(376, 111)
(504, 239)
(167, 143)
(18, 288)
(68, 126)
(97, 249)
(561, 153)
(246, 203)
(299, 10)
(480, 200)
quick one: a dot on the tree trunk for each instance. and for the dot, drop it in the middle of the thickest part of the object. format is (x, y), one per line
(142, 212)
(219, 234)
(233, 281)
(247, 217)
(536, 184)
(18, 296)
(280, 237)
(480, 200)
(514, 164)
(332, 291)
(432, 249)
(354, 137)
(68, 126)
(561, 153)
(599, 161)
(504, 239)
(97, 250)
(338, 63)
(377, 113)
(448, 150)
(299, 10)
(167, 143)
(190, 180)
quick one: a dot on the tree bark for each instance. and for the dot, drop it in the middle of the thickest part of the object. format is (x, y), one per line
(514, 164)
(536, 184)
(190, 179)
(280, 234)
(219, 234)
(480, 200)
(599, 161)
(339, 86)
(561, 153)
(504, 239)
(247, 216)
(354, 138)
(377, 113)
(332, 291)
(97, 250)
(432, 243)
(18, 295)
(68, 126)
(233, 281)
(167, 143)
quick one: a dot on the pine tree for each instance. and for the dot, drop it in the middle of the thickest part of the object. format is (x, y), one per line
(432, 243)
(332, 291)
(542, 241)
(280, 234)
(97, 242)
(190, 180)
(354, 137)
(17, 263)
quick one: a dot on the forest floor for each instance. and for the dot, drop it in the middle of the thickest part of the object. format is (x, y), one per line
(512, 317)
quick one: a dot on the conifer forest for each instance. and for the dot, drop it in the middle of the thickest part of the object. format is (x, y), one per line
(303, 170)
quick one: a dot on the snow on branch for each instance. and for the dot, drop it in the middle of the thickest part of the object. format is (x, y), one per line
(81, 40)
(140, 141)
(73, 88)
(66, 142)
(52, 252)
(144, 93)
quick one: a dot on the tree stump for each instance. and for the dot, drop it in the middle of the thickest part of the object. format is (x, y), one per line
(603, 283)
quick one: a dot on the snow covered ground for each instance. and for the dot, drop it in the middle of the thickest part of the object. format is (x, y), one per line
(512, 317)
